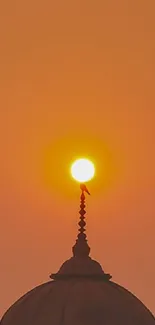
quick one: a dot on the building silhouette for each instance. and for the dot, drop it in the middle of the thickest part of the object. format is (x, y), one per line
(81, 293)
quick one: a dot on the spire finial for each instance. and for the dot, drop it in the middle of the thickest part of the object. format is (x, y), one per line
(81, 248)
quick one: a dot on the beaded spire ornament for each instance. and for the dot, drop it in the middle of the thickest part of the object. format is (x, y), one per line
(81, 248)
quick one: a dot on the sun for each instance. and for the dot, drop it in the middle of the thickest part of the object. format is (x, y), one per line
(83, 170)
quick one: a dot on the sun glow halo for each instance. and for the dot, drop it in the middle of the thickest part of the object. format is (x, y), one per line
(82, 170)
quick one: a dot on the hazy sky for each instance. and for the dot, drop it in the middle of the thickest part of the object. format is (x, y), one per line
(77, 77)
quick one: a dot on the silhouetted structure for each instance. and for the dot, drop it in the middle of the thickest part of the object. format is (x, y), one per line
(80, 294)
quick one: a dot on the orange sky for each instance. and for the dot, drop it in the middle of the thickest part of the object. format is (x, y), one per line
(77, 77)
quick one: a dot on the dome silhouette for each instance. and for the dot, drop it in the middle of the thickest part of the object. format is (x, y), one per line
(80, 293)
(79, 298)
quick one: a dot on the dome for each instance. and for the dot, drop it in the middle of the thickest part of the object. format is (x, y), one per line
(79, 298)
(80, 293)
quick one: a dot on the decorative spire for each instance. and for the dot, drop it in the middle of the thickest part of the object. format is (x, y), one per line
(81, 264)
(81, 248)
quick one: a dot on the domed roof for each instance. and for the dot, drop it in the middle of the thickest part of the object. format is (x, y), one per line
(81, 293)
(90, 298)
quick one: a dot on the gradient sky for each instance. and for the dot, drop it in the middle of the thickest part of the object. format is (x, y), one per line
(77, 77)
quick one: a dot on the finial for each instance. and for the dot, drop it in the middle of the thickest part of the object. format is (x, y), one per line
(81, 264)
(81, 248)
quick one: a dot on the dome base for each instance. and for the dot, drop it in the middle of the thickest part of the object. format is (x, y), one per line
(78, 267)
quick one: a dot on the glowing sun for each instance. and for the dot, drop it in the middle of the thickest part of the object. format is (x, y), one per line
(83, 170)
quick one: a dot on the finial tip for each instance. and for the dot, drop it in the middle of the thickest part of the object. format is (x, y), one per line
(84, 188)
